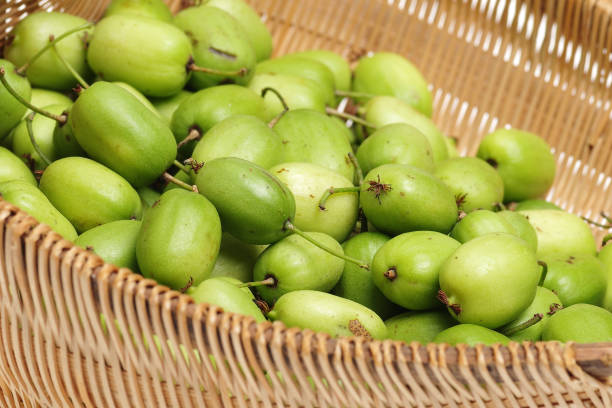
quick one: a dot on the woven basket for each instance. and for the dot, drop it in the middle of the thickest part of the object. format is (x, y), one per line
(541, 65)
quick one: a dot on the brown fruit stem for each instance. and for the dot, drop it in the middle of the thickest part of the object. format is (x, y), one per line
(262, 305)
(348, 116)
(358, 172)
(191, 66)
(28, 122)
(271, 281)
(194, 134)
(554, 308)
(443, 298)
(69, 67)
(187, 286)
(391, 273)
(379, 189)
(171, 179)
(544, 272)
(525, 325)
(352, 94)
(330, 191)
(278, 117)
(62, 119)
(194, 164)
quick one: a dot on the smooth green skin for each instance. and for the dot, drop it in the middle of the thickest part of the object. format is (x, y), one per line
(220, 292)
(576, 279)
(418, 326)
(561, 233)
(256, 31)
(395, 143)
(13, 168)
(473, 178)
(210, 29)
(493, 278)
(182, 176)
(384, 110)
(470, 334)
(536, 204)
(43, 129)
(179, 239)
(114, 242)
(356, 283)
(308, 182)
(299, 93)
(148, 197)
(115, 129)
(243, 136)
(322, 312)
(451, 147)
(386, 73)
(605, 256)
(236, 259)
(417, 201)
(253, 204)
(338, 66)
(148, 54)
(11, 110)
(544, 302)
(236, 282)
(522, 228)
(581, 323)
(296, 264)
(417, 258)
(312, 137)
(155, 9)
(167, 106)
(64, 142)
(32, 33)
(67, 183)
(45, 97)
(31, 200)
(141, 98)
(524, 162)
(479, 223)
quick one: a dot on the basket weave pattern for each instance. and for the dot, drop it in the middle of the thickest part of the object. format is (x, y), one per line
(488, 69)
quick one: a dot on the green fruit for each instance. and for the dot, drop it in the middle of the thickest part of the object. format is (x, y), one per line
(236, 259)
(167, 106)
(179, 239)
(384, 110)
(308, 182)
(243, 136)
(31, 200)
(64, 142)
(406, 268)
(155, 9)
(580, 323)
(522, 159)
(45, 97)
(233, 281)
(114, 242)
(522, 228)
(148, 54)
(471, 335)
(312, 137)
(141, 98)
(115, 129)
(451, 147)
(32, 34)
(338, 66)
(418, 326)
(395, 143)
(479, 223)
(322, 312)
(13, 168)
(68, 184)
(398, 198)
(148, 196)
(545, 303)
(475, 184)
(561, 233)
(11, 110)
(576, 279)
(489, 280)
(253, 204)
(356, 283)
(605, 256)
(386, 73)
(181, 176)
(220, 292)
(536, 204)
(296, 264)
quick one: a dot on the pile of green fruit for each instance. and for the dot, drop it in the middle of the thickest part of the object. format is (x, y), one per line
(175, 146)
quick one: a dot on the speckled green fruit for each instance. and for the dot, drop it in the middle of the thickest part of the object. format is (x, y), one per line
(475, 183)
(581, 323)
(114, 242)
(11, 110)
(406, 268)
(296, 264)
(418, 326)
(395, 143)
(561, 233)
(386, 73)
(13, 168)
(138, 95)
(31, 200)
(220, 292)
(68, 185)
(253, 204)
(356, 283)
(338, 66)
(470, 334)
(536, 204)
(523, 160)
(605, 256)
(32, 33)
(384, 110)
(545, 303)
(156, 9)
(490, 280)
(322, 312)
(479, 223)
(398, 198)
(576, 279)
(236, 259)
(179, 239)
(522, 228)
(167, 106)
(308, 182)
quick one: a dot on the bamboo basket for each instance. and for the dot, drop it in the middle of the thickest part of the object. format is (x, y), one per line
(541, 65)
